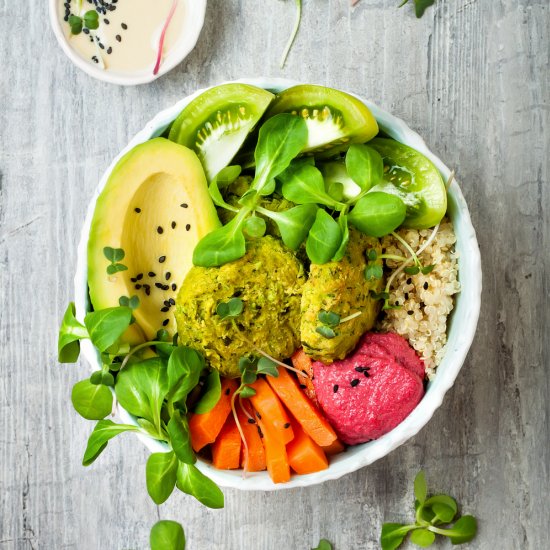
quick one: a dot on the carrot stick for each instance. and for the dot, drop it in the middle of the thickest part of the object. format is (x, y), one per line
(204, 428)
(271, 410)
(304, 364)
(334, 448)
(303, 410)
(304, 455)
(275, 453)
(253, 455)
(226, 450)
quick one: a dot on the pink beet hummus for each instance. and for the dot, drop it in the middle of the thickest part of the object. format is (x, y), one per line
(373, 390)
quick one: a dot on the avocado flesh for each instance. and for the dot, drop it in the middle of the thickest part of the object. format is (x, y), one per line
(140, 210)
(340, 287)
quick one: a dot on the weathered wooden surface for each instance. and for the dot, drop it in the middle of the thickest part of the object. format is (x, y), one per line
(472, 77)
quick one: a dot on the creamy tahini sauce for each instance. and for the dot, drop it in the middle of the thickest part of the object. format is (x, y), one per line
(127, 39)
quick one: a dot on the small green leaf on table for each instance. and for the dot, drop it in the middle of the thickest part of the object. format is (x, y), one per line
(167, 535)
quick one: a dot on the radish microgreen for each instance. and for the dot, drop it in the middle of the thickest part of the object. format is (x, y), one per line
(232, 308)
(114, 255)
(90, 20)
(433, 517)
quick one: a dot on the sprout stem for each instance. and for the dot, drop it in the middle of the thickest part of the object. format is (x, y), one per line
(299, 372)
(163, 35)
(294, 32)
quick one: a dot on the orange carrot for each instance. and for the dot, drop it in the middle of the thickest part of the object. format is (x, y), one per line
(271, 410)
(334, 448)
(275, 453)
(253, 454)
(304, 455)
(304, 364)
(303, 410)
(226, 450)
(204, 428)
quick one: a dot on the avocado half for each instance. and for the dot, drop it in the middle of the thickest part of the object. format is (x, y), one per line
(156, 207)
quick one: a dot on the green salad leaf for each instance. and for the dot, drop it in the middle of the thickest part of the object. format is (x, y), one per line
(167, 535)
(91, 401)
(70, 334)
(192, 481)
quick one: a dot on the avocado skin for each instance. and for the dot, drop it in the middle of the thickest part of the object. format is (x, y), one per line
(269, 281)
(340, 287)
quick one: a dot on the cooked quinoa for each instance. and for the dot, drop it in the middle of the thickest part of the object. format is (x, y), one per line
(424, 301)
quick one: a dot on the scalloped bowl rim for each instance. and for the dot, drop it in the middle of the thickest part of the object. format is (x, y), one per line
(190, 33)
(463, 321)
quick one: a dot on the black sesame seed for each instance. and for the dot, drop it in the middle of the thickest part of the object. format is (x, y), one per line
(406, 295)
(124, 26)
(227, 391)
(174, 287)
(184, 205)
(148, 291)
(165, 322)
(172, 301)
(137, 287)
(109, 50)
(396, 302)
(164, 309)
(354, 382)
(101, 45)
(133, 279)
(158, 285)
(188, 227)
(138, 210)
(139, 276)
(160, 231)
(168, 275)
(260, 433)
(162, 259)
(165, 287)
(251, 421)
(359, 369)
(173, 225)
(86, 31)
(409, 281)
(167, 303)
(303, 386)
(152, 274)
(287, 425)
(106, 21)
(335, 388)
(259, 415)
(425, 286)
(366, 374)
(410, 312)
(119, 38)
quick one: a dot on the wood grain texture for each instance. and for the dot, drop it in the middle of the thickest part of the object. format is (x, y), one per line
(472, 77)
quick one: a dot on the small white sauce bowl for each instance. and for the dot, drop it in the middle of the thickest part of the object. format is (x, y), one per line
(461, 328)
(192, 26)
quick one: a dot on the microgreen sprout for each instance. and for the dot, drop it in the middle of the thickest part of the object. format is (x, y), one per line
(294, 32)
(90, 20)
(232, 308)
(114, 255)
(432, 515)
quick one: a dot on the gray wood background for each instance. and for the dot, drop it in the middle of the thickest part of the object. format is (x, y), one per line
(472, 77)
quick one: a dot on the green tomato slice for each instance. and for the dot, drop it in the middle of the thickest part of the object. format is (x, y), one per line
(216, 123)
(412, 177)
(333, 118)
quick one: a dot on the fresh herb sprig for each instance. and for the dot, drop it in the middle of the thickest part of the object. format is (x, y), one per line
(434, 516)
(154, 390)
(115, 256)
(281, 139)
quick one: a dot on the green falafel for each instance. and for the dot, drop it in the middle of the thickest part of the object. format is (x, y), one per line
(269, 280)
(340, 287)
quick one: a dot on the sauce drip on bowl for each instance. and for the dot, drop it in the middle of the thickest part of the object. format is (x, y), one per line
(129, 31)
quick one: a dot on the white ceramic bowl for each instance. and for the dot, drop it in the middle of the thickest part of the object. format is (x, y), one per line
(189, 35)
(461, 330)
